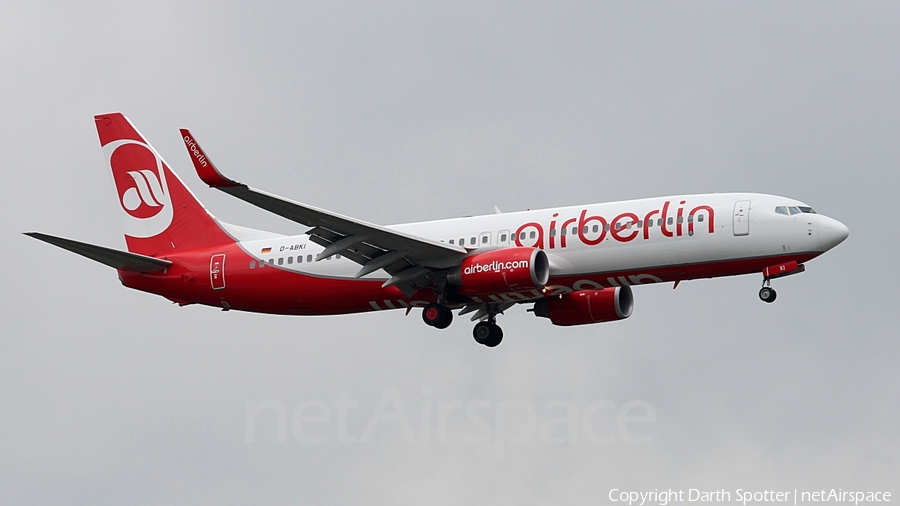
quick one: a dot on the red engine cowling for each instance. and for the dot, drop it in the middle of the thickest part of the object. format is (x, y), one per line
(502, 270)
(587, 306)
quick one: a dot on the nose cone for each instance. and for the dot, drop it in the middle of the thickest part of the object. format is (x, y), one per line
(831, 232)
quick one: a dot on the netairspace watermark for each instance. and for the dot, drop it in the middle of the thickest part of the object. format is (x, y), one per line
(509, 422)
(744, 497)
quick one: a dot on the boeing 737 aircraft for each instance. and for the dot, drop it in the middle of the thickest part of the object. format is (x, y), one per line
(574, 265)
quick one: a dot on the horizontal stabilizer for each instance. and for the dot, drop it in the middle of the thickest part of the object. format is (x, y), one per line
(121, 260)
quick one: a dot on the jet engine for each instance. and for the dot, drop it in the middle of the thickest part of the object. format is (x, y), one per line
(587, 306)
(502, 270)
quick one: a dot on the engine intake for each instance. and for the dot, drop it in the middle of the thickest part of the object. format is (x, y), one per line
(502, 270)
(587, 306)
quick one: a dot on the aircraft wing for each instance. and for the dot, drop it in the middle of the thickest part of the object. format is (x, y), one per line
(410, 260)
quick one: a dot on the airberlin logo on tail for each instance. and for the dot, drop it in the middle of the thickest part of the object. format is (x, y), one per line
(147, 191)
(140, 179)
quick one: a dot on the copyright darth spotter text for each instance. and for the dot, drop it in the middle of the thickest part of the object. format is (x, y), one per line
(745, 497)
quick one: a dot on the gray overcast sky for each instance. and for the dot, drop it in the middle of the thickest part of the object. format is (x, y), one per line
(396, 112)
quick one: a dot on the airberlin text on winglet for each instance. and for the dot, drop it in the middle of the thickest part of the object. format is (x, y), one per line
(195, 150)
(619, 227)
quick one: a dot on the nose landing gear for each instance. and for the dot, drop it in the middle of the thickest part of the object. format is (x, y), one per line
(767, 294)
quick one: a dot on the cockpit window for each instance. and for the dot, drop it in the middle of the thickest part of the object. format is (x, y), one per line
(805, 209)
(781, 210)
(794, 210)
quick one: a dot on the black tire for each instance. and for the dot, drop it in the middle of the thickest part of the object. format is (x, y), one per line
(767, 294)
(488, 334)
(446, 318)
(496, 338)
(483, 332)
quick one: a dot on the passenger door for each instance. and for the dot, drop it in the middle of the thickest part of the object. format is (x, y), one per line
(741, 222)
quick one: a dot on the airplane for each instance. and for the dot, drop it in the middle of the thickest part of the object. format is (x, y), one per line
(574, 265)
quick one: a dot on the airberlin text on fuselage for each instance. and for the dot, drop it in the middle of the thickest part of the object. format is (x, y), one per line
(192, 146)
(622, 228)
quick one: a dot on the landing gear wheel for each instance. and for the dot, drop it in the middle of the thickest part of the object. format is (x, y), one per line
(437, 316)
(488, 334)
(446, 319)
(767, 294)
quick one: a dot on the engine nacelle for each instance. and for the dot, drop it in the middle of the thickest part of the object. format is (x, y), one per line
(587, 306)
(502, 270)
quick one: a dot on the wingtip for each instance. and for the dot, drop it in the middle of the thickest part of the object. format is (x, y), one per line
(207, 172)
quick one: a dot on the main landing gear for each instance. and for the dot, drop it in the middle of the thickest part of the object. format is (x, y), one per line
(437, 315)
(486, 332)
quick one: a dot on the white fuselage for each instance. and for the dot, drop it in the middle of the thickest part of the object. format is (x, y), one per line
(654, 233)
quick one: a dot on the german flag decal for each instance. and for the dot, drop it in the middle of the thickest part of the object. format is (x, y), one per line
(266, 251)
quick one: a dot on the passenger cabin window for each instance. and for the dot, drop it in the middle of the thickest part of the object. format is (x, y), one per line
(271, 261)
(700, 217)
(532, 235)
(452, 241)
(290, 260)
(552, 232)
(574, 231)
(472, 241)
(502, 237)
(309, 258)
(299, 259)
(781, 210)
(253, 264)
(484, 239)
(281, 261)
(596, 228)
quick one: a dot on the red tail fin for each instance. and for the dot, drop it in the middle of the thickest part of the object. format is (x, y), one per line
(159, 213)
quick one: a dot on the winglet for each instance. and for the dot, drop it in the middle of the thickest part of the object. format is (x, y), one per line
(204, 166)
